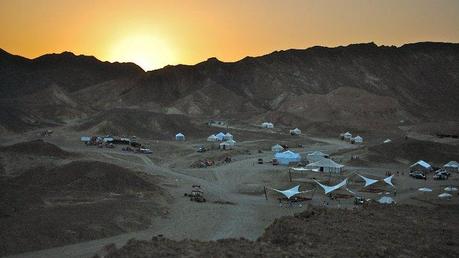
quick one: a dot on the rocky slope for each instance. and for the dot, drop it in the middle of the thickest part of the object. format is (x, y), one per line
(361, 85)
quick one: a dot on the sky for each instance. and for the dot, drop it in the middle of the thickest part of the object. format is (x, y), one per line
(154, 34)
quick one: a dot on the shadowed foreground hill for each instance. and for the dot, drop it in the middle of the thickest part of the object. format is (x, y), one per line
(394, 231)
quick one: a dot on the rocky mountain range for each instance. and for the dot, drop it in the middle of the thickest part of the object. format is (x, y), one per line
(356, 86)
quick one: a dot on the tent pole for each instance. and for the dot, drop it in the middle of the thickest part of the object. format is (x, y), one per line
(290, 174)
(266, 195)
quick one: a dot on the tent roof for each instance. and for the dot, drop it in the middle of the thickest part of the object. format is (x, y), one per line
(212, 136)
(388, 180)
(325, 163)
(358, 137)
(422, 163)
(425, 189)
(290, 192)
(277, 145)
(386, 200)
(228, 134)
(368, 181)
(347, 133)
(231, 141)
(329, 189)
(179, 134)
(318, 153)
(445, 195)
(287, 154)
(220, 134)
(453, 164)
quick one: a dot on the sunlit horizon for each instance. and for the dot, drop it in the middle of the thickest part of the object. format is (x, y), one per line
(154, 34)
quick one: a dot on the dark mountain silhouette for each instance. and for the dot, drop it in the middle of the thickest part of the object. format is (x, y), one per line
(360, 85)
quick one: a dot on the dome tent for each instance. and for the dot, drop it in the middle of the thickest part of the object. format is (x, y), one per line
(212, 138)
(220, 136)
(277, 148)
(180, 137)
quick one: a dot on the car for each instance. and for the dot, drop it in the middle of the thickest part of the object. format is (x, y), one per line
(440, 176)
(275, 162)
(202, 149)
(260, 161)
(145, 151)
(418, 175)
(358, 200)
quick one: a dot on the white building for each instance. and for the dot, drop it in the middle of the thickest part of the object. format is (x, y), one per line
(358, 139)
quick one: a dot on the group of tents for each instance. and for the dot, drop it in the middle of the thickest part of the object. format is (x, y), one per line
(226, 139)
(424, 167)
(347, 136)
(318, 161)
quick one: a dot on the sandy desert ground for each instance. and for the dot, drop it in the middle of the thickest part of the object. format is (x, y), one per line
(236, 206)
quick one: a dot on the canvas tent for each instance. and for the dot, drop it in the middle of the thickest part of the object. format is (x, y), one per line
(295, 131)
(358, 139)
(326, 165)
(452, 166)
(316, 156)
(422, 166)
(228, 137)
(231, 142)
(277, 148)
(347, 136)
(289, 193)
(287, 157)
(180, 137)
(220, 136)
(329, 189)
(212, 138)
(267, 125)
(445, 196)
(386, 200)
(387, 140)
(226, 146)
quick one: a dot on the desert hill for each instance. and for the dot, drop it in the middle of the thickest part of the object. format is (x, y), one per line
(360, 85)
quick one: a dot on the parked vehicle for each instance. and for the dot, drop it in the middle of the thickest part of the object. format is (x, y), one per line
(358, 200)
(202, 149)
(417, 175)
(260, 161)
(275, 162)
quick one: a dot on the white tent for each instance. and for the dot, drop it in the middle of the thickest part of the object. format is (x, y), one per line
(85, 139)
(300, 169)
(231, 142)
(387, 140)
(368, 181)
(295, 131)
(291, 192)
(386, 200)
(445, 195)
(180, 137)
(425, 189)
(287, 157)
(388, 180)
(277, 148)
(452, 166)
(220, 136)
(450, 189)
(347, 136)
(267, 125)
(226, 146)
(358, 139)
(329, 189)
(212, 138)
(326, 165)
(316, 156)
(228, 137)
(421, 165)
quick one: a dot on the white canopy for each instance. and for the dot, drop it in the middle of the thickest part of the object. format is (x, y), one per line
(220, 136)
(368, 181)
(231, 142)
(347, 135)
(386, 200)
(388, 180)
(329, 189)
(450, 189)
(421, 163)
(452, 164)
(291, 192)
(387, 140)
(445, 195)
(277, 148)
(425, 189)
(300, 169)
(228, 136)
(212, 138)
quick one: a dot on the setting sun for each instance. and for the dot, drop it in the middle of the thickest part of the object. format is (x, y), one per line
(147, 51)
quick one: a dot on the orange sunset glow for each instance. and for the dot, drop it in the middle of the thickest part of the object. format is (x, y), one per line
(153, 34)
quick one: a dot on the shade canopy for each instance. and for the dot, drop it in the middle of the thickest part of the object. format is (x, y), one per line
(450, 189)
(388, 180)
(329, 189)
(445, 195)
(290, 192)
(425, 189)
(368, 181)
